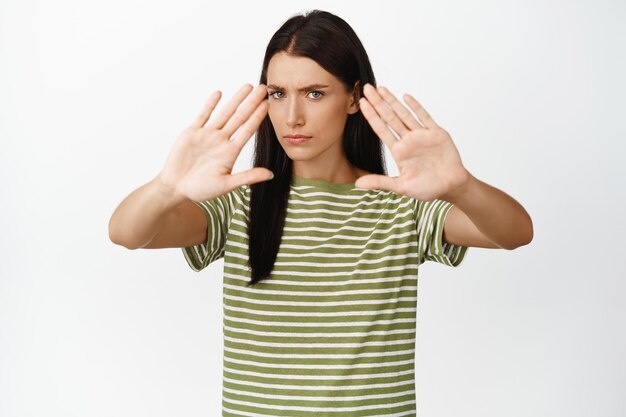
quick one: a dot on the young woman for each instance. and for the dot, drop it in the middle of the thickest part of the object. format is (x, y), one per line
(321, 249)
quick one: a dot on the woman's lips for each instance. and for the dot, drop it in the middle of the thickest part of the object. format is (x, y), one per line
(297, 140)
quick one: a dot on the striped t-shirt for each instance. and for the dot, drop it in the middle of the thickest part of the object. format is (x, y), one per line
(331, 332)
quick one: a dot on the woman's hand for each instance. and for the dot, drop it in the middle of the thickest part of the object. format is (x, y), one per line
(200, 163)
(429, 164)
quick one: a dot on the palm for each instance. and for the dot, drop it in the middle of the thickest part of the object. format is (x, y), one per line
(206, 162)
(428, 162)
(199, 166)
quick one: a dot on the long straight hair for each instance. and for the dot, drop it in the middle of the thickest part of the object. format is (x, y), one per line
(332, 43)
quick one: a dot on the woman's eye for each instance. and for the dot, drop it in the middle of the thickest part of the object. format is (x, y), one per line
(320, 94)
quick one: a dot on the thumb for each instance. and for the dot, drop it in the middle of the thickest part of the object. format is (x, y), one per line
(376, 182)
(250, 176)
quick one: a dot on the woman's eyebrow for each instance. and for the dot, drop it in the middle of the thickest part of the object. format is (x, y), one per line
(305, 88)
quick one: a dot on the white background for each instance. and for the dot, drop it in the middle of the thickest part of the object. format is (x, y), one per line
(93, 96)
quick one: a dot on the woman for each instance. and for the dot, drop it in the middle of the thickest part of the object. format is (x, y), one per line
(321, 249)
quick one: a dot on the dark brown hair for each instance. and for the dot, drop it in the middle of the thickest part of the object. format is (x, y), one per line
(332, 43)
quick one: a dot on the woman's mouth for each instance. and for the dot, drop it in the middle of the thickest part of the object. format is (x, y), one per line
(297, 139)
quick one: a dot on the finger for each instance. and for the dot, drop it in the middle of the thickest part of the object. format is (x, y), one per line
(254, 121)
(243, 112)
(403, 113)
(222, 117)
(378, 125)
(386, 113)
(420, 111)
(208, 108)
(377, 182)
(249, 176)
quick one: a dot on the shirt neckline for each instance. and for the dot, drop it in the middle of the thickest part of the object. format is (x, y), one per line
(297, 180)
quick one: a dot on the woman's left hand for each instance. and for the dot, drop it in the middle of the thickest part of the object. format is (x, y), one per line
(429, 164)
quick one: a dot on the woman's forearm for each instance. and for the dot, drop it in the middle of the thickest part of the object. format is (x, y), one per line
(496, 214)
(139, 216)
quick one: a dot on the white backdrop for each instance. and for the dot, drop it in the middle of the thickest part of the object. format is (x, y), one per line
(94, 94)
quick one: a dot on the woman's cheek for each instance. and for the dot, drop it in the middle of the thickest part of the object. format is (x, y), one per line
(271, 113)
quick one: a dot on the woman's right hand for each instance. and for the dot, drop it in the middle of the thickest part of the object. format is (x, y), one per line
(200, 163)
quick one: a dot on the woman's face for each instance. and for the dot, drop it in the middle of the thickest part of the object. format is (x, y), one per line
(305, 99)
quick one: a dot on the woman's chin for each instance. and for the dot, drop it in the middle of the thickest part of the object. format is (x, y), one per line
(299, 154)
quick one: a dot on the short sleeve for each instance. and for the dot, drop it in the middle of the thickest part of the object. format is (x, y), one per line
(430, 220)
(219, 212)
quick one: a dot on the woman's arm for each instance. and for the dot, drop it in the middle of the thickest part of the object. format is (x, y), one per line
(484, 216)
(430, 168)
(141, 215)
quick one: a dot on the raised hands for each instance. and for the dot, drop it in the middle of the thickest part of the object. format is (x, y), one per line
(429, 164)
(200, 163)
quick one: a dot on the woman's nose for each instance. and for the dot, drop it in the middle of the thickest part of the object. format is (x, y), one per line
(294, 116)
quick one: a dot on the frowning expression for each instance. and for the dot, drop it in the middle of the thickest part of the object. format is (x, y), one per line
(305, 99)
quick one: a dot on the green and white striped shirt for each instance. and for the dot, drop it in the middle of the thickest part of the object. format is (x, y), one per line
(331, 332)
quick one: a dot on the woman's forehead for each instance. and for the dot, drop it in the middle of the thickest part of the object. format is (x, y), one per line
(295, 72)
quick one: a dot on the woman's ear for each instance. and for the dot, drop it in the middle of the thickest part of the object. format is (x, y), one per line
(354, 100)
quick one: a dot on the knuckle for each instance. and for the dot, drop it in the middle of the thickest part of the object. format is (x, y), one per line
(238, 118)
